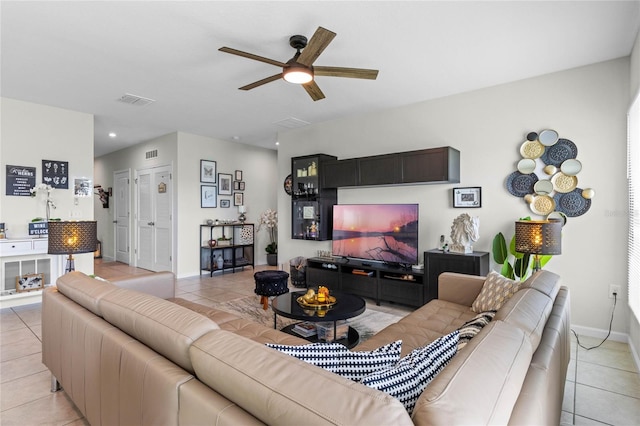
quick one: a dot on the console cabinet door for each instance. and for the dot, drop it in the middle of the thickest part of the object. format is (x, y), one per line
(339, 173)
(429, 165)
(437, 262)
(379, 170)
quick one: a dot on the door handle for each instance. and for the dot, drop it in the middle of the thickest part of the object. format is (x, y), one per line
(150, 223)
(115, 221)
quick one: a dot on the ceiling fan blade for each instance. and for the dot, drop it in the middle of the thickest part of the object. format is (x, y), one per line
(261, 82)
(319, 41)
(313, 90)
(346, 72)
(252, 56)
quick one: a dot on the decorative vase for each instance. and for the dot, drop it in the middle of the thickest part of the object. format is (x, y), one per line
(272, 259)
(212, 243)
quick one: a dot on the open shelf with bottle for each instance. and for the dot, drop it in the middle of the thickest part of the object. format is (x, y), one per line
(226, 247)
(311, 203)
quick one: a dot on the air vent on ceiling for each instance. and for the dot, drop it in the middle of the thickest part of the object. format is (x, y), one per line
(291, 123)
(136, 100)
(151, 154)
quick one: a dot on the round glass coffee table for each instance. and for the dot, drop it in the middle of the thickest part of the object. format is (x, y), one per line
(346, 306)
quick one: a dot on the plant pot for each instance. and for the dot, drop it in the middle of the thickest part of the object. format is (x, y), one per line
(272, 259)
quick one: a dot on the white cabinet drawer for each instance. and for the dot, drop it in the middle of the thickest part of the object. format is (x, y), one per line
(40, 246)
(15, 248)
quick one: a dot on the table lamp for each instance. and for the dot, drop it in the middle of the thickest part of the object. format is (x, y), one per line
(69, 237)
(242, 210)
(538, 237)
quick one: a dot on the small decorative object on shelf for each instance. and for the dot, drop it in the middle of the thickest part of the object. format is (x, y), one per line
(212, 243)
(464, 231)
(220, 261)
(242, 210)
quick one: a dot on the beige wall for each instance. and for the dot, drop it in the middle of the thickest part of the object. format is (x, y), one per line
(587, 105)
(184, 152)
(31, 133)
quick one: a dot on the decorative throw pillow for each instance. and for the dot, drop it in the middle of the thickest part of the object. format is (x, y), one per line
(340, 360)
(411, 375)
(472, 327)
(495, 291)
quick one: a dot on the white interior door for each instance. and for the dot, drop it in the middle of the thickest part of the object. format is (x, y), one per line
(154, 228)
(122, 209)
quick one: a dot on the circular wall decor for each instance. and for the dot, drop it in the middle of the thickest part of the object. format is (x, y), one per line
(288, 184)
(546, 176)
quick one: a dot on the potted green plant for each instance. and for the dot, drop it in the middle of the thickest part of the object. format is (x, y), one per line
(269, 220)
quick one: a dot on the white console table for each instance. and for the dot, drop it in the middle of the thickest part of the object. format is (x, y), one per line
(22, 256)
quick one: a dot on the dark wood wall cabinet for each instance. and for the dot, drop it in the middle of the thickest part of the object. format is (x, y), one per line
(437, 262)
(434, 165)
(311, 201)
(373, 280)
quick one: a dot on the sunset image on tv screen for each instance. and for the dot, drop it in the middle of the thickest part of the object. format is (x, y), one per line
(381, 232)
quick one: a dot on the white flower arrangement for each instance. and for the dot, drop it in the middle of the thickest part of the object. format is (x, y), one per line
(49, 201)
(269, 220)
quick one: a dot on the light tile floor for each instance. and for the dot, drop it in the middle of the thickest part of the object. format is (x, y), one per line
(607, 389)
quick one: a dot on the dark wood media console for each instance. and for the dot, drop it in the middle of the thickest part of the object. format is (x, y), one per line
(373, 280)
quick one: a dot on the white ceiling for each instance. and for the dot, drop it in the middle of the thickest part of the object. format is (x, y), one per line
(84, 56)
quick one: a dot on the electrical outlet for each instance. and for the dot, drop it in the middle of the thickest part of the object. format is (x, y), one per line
(614, 289)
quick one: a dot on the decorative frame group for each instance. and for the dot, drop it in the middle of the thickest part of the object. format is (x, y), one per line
(216, 184)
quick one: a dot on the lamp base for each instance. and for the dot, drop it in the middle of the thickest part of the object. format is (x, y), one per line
(242, 218)
(71, 264)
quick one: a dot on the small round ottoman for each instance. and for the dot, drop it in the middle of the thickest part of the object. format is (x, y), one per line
(270, 283)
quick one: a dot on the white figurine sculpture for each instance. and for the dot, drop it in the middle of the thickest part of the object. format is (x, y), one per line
(464, 231)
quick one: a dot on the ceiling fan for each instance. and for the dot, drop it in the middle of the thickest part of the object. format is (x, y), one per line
(300, 69)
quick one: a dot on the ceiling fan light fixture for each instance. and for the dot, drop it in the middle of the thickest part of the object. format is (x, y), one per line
(297, 74)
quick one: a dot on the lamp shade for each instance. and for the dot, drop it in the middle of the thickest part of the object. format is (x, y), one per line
(539, 236)
(67, 237)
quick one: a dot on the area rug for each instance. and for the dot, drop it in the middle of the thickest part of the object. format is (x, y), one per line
(368, 323)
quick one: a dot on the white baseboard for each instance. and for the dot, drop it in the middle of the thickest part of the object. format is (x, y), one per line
(600, 333)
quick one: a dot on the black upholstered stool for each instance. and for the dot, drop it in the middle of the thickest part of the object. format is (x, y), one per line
(270, 283)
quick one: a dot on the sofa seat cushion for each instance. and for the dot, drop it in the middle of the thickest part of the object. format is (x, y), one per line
(281, 390)
(336, 358)
(163, 326)
(407, 379)
(421, 327)
(495, 292)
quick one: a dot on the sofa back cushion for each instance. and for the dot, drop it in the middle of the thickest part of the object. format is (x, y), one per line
(84, 290)
(165, 327)
(528, 310)
(545, 282)
(481, 383)
(279, 389)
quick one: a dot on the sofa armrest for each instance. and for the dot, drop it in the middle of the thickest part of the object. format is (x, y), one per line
(159, 284)
(459, 288)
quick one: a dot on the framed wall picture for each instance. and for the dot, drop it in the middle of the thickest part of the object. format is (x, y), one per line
(208, 196)
(236, 185)
(225, 204)
(82, 187)
(241, 186)
(208, 171)
(238, 199)
(225, 186)
(238, 175)
(470, 197)
(55, 173)
(29, 282)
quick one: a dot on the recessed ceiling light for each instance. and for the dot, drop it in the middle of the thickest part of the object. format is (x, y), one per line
(112, 135)
(235, 138)
(277, 143)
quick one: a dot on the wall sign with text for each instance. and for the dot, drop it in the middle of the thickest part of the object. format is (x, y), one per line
(19, 180)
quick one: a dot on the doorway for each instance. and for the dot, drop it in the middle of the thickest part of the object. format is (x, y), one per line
(154, 218)
(121, 221)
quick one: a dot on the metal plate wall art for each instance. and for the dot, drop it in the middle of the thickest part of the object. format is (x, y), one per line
(546, 177)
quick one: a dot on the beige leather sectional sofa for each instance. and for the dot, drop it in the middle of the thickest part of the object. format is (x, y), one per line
(128, 357)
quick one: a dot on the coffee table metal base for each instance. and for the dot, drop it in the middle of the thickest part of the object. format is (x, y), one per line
(352, 339)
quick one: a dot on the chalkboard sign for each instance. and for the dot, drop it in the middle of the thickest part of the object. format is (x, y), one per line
(38, 228)
(20, 180)
(55, 173)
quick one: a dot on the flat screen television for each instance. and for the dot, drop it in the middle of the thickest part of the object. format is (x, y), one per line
(385, 233)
